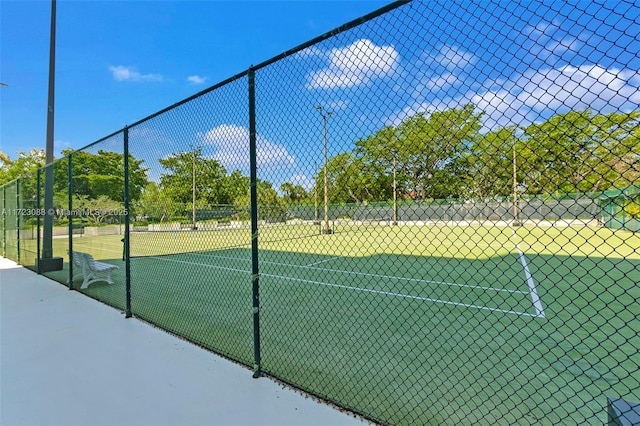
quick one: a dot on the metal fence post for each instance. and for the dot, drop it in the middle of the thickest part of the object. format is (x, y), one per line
(38, 223)
(4, 221)
(254, 224)
(127, 222)
(18, 214)
(70, 216)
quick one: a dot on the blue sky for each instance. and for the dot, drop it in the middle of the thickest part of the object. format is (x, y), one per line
(118, 62)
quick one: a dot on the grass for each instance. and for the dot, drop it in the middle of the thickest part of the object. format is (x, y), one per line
(409, 324)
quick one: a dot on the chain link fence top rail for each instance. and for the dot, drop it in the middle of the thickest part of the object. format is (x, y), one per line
(426, 216)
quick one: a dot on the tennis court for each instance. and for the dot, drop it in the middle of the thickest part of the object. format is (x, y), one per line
(493, 322)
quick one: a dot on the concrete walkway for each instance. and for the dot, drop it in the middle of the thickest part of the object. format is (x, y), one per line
(66, 359)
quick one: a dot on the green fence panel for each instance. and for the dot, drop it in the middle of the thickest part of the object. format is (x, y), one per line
(11, 221)
(191, 261)
(30, 213)
(483, 294)
(97, 219)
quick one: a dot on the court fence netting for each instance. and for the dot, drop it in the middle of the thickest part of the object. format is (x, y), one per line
(429, 215)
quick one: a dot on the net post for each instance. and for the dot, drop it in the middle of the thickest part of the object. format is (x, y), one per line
(127, 260)
(70, 216)
(254, 225)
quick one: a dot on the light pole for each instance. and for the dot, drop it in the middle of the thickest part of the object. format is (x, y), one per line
(516, 222)
(48, 262)
(325, 223)
(315, 203)
(193, 189)
(395, 192)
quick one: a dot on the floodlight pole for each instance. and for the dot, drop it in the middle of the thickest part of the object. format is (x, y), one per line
(315, 197)
(395, 192)
(516, 222)
(47, 237)
(325, 223)
(193, 189)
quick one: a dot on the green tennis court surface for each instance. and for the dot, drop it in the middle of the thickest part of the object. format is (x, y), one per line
(492, 323)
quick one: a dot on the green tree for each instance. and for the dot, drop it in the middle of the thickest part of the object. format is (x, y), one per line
(210, 178)
(430, 150)
(25, 163)
(293, 194)
(615, 162)
(99, 174)
(155, 205)
(4, 160)
(380, 154)
(236, 186)
(271, 207)
(489, 163)
(350, 179)
(554, 152)
(98, 210)
(579, 151)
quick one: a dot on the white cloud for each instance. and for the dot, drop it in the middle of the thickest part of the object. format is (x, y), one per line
(588, 85)
(452, 57)
(302, 180)
(337, 105)
(548, 42)
(553, 89)
(527, 97)
(542, 31)
(565, 45)
(448, 69)
(421, 107)
(61, 145)
(231, 145)
(354, 65)
(196, 79)
(312, 51)
(501, 108)
(441, 82)
(122, 73)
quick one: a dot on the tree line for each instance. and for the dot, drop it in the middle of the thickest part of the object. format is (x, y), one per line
(438, 155)
(446, 155)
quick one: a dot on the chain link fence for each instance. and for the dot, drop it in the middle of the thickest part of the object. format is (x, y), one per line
(426, 216)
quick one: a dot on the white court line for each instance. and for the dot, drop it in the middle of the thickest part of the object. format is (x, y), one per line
(198, 264)
(537, 303)
(407, 296)
(217, 256)
(323, 261)
(367, 274)
(98, 249)
(366, 290)
(416, 280)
